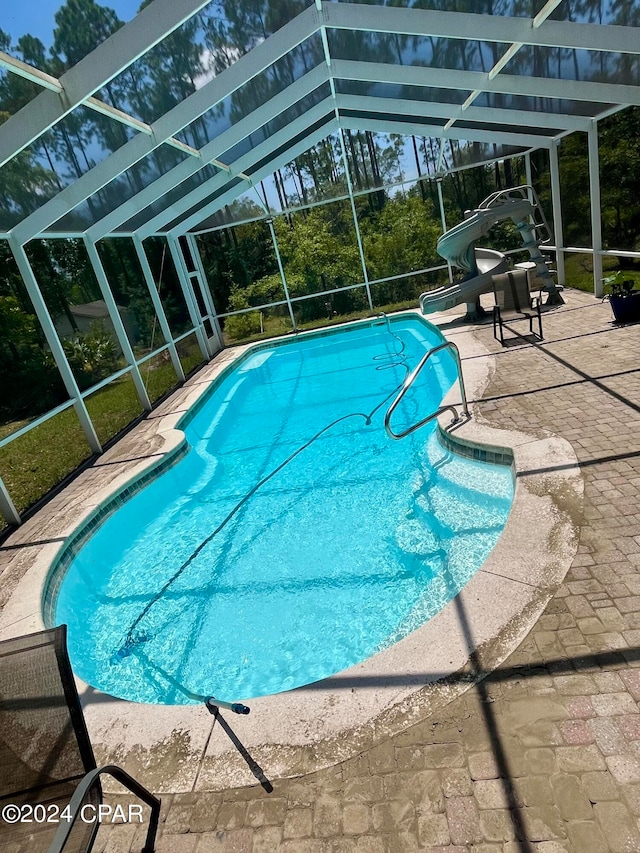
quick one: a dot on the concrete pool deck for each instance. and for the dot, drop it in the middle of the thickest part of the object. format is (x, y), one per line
(546, 747)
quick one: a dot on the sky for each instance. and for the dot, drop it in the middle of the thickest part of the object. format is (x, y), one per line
(36, 17)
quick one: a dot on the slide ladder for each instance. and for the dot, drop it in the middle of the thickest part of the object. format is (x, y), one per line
(534, 231)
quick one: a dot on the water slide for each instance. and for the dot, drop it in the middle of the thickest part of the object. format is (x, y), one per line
(458, 247)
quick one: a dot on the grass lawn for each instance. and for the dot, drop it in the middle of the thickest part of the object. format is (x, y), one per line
(37, 461)
(113, 407)
(13, 426)
(158, 377)
(579, 271)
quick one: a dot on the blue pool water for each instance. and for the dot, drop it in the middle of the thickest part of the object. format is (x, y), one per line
(347, 548)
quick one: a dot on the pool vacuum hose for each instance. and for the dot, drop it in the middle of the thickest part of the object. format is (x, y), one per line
(134, 638)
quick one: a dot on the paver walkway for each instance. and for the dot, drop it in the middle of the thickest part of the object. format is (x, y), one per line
(544, 754)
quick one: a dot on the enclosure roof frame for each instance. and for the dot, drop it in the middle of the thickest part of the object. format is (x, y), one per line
(520, 127)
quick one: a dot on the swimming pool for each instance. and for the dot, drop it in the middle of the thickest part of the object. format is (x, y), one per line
(332, 541)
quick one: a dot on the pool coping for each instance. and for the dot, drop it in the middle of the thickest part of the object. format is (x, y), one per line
(181, 748)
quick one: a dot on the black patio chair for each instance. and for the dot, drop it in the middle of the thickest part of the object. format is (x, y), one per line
(514, 301)
(47, 766)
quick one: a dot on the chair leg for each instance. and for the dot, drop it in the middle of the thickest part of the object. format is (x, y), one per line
(497, 316)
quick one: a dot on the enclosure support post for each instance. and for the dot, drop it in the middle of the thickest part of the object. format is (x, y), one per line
(57, 351)
(272, 231)
(596, 221)
(528, 176)
(556, 202)
(443, 220)
(7, 507)
(204, 287)
(355, 218)
(190, 299)
(528, 173)
(154, 292)
(116, 319)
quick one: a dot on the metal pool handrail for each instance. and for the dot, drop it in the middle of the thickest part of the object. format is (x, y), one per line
(409, 382)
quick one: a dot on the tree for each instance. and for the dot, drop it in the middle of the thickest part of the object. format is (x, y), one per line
(619, 137)
(402, 238)
(81, 25)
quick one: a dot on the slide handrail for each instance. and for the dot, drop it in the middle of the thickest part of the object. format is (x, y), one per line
(409, 382)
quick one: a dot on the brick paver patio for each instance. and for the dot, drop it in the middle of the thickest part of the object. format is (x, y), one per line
(542, 755)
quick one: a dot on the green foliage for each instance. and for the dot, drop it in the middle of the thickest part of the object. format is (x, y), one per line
(31, 382)
(619, 155)
(319, 253)
(241, 325)
(617, 285)
(130, 291)
(619, 140)
(401, 238)
(319, 249)
(81, 25)
(92, 356)
(15, 325)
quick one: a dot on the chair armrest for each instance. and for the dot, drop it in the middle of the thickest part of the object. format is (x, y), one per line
(87, 782)
(536, 302)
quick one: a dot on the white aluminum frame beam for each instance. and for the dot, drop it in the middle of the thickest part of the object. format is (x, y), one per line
(431, 176)
(57, 350)
(330, 127)
(29, 72)
(205, 288)
(387, 125)
(389, 19)
(306, 24)
(183, 205)
(556, 201)
(508, 84)
(295, 92)
(486, 115)
(596, 208)
(7, 507)
(508, 55)
(190, 297)
(49, 82)
(475, 27)
(211, 151)
(196, 276)
(172, 122)
(154, 293)
(443, 221)
(354, 214)
(116, 320)
(156, 224)
(109, 59)
(283, 278)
